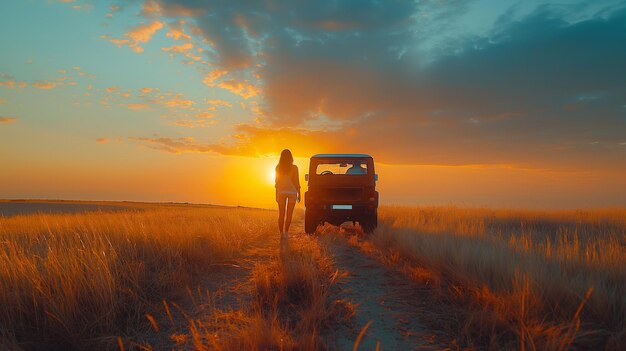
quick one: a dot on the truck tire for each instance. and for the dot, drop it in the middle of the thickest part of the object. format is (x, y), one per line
(369, 224)
(311, 221)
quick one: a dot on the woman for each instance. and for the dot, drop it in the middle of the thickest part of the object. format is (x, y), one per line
(287, 191)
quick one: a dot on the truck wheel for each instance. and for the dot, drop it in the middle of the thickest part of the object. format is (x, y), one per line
(311, 221)
(369, 224)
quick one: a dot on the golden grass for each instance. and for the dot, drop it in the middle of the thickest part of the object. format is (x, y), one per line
(524, 279)
(291, 306)
(520, 279)
(80, 280)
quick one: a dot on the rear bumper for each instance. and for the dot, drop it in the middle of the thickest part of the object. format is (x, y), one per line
(322, 208)
(328, 214)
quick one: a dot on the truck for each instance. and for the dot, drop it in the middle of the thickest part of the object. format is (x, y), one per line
(341, 188)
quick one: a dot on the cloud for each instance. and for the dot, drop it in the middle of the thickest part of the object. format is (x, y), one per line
(143, 34)
(181, 49)
(45, 85)
(205, 115)
(420, 82)
(197, 122)
(249, 141)
(136, 106)
(157, 8)
(211, 78)
(3, 101)
(170, 145)
(136, 36)
(102, 140)
(219, 102)
(177, 101)
(8, 83)
(177, 31)
(7, 120)
(243, 89)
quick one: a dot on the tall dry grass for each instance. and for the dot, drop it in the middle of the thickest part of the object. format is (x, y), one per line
(77, 281)
(525, 279)
(291, 306)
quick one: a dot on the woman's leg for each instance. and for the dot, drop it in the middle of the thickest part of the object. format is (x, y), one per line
(281, 212)
(291, 203)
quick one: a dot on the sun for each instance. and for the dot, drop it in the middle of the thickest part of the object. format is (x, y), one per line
(271, 175)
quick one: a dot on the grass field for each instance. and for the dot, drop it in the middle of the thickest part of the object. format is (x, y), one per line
(525, 280)
(104, 280)
(81, 280)
(522, 279)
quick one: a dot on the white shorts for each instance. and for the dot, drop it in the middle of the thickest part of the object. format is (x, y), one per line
(281, 197)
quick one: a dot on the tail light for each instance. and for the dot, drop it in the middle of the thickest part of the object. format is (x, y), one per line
(372, 195)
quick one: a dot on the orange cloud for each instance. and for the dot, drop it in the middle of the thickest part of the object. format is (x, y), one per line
(243, 89)
(193, 123)
(249, 141)
(181, 49)
(136, 36)
(156, 8)
(2, 101)
(143, 33)
(219, 102)
(46, 85)
(205, 115)
(136, 107)
(179, 101)
(102, 140)
(7, 120)
(8, 83)
(177, 32)
(150, 7)
(211, 77)
(170, 145)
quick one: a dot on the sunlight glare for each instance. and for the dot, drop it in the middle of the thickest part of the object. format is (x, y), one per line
(271, 174)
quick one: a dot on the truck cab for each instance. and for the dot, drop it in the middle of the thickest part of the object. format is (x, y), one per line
(341, 188)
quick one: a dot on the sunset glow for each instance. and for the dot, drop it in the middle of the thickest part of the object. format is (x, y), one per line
(467, 188)
(271, 175)
(483, 104)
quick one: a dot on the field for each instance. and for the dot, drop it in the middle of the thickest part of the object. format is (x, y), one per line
(520, 279)
(147, 276)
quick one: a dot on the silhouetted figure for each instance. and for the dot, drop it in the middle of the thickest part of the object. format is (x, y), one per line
(287, 191)
(356, 169)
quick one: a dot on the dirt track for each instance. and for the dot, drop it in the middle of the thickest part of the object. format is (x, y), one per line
(381, 296)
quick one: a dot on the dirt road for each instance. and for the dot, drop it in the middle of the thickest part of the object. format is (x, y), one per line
(383, 297)
(386, 298)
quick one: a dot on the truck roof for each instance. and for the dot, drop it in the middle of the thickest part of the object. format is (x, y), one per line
(341, 156)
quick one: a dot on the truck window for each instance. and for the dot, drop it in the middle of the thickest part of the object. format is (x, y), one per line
(344, 167)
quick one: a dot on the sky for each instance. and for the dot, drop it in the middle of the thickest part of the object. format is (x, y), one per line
(469, 103)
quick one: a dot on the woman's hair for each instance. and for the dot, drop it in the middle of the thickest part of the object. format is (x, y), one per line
(285, 162)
